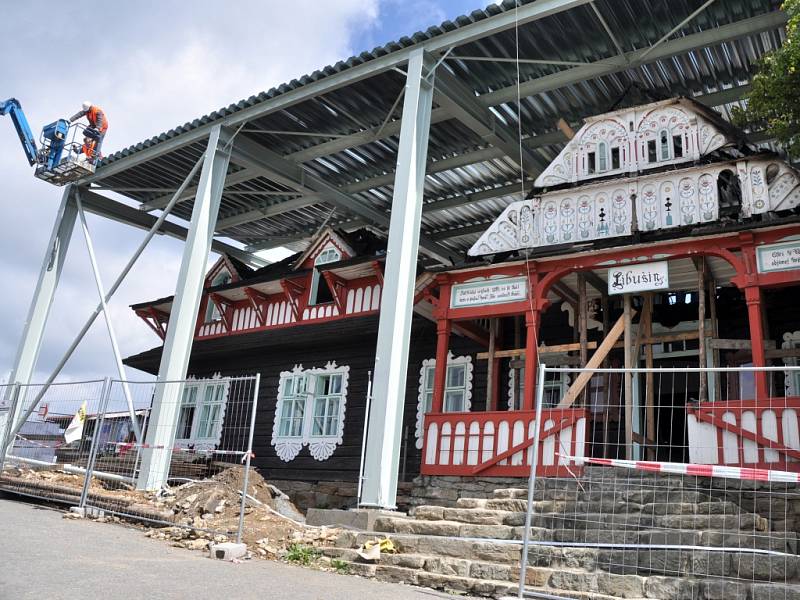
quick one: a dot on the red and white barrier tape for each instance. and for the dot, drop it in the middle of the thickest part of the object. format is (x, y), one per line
(742, 473)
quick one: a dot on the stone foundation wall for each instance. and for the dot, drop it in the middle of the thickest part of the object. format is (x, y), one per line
(331, 494)
(445, 491)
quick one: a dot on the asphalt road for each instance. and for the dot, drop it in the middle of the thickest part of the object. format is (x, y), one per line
(46, 557)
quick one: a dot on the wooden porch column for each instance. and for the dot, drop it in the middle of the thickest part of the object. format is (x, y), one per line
(628, 350)
(493, 367)
(532, 319)
(443, 328)
(752, 295)
(702, 360)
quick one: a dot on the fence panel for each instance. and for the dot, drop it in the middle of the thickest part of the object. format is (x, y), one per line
(41, 455)
(103, 428)
(208, 461)
(690, 485)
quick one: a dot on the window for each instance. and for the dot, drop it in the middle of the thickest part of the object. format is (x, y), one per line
(651, 151)
(602, 157)
(664, 146)
(677, 145)
(554, 388)
(320, 292)
(310, 411)
(457, 389)
(201, 413)
(212, 310)
(615, 162)
(590, 163)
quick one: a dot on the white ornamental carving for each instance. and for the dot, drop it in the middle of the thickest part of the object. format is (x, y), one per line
(320, 447)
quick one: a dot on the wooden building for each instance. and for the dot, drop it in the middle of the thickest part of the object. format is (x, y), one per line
(657, 237)
(309, 325)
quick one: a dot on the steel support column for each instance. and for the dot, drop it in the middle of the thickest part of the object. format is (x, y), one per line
(180, 333)
(31, 343)
(397, 305)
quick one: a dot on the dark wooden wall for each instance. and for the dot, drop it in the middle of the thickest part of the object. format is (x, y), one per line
(349, 342)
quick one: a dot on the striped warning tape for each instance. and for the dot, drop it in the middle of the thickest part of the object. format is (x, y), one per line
(742, 473)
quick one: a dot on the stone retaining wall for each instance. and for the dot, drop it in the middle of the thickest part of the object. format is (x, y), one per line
(331, 494)
(445, 490)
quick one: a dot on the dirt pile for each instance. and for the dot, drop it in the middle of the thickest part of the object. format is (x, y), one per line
(200, 511)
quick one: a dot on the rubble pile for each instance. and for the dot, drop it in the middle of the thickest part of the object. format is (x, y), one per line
(195, 513)
(203, 510)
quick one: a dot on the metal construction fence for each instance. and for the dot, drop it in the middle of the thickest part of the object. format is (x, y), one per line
(681, 481)
(97, 445)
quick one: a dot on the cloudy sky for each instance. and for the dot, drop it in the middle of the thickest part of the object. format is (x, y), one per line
(151, 65)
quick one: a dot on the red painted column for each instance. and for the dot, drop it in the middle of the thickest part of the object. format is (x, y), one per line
(443, 328)
(752, 295)
(532, 318)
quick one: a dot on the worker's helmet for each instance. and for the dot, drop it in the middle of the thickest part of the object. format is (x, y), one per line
(86, 105)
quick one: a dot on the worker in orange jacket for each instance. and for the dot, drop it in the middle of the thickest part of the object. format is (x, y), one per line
(94, 134)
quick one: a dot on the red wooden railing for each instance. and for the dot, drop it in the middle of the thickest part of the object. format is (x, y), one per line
(761, 434)
(499, 444)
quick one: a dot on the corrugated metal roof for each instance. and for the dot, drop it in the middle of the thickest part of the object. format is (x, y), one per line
(463, 168)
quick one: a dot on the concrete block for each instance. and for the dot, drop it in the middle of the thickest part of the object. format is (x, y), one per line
(227, 551)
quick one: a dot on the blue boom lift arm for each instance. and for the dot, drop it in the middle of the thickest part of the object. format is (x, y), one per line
(13, 108)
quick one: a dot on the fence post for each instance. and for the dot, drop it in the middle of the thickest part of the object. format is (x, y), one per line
(526, 536)
(15, 397)
(105, 394)
(247, 458)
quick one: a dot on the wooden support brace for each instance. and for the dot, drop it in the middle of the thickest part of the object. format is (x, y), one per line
(337, 286)
(593, 363)
(258, 301)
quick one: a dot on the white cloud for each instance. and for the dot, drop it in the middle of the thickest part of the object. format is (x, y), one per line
(152, 66)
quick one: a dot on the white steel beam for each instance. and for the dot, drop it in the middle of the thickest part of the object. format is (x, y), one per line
(615, 64)
(457, 37)
(397, 307)
(256, 156)
(122, 213)
(461, 102)
(101, 292)
(49, 274)
(183, 317)
(231, 179)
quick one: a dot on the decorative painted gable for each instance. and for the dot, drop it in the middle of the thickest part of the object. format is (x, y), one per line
(326, 247)
(631, 144)
(636, 139)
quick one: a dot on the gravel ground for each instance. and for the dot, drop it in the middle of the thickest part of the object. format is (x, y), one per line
(43, 555)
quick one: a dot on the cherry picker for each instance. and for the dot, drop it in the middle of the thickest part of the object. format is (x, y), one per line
(57, 157)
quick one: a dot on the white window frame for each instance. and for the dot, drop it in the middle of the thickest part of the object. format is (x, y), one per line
(426, 374)
(199, 389)
(213, 313)
(329, 254)
(515, 403)
(320, 445)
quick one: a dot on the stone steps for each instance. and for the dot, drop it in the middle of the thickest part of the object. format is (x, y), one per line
(483, 578)
(470, 523)
(640, 562)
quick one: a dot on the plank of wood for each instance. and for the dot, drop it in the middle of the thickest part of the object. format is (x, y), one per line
(557, 349)
(727, 344)
(594, 362)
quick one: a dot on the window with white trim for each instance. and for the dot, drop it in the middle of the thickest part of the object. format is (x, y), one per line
(201, 413)
(555, 387)
(320, 292)
(310, 411)
(212, 310)
(457, 389)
